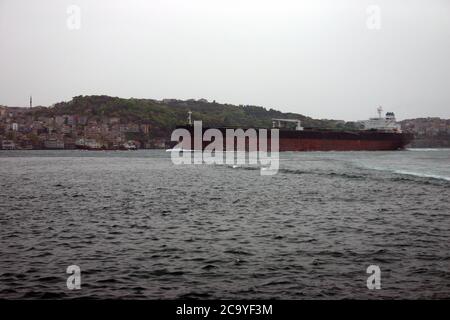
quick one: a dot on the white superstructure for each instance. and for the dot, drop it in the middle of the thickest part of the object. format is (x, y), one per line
(388, 123)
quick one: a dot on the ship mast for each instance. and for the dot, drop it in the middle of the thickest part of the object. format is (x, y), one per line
(380, 110)
(190, 118)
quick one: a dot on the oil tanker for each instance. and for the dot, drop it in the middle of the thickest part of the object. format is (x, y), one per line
(381, 133)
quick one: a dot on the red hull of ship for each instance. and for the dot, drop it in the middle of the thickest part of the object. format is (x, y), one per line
(324, 140)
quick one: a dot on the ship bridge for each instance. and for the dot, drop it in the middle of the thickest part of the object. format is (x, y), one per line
(387, 123)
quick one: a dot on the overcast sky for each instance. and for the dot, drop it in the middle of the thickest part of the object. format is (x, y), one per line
(323, 58)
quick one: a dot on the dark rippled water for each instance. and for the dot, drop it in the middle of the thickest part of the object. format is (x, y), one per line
(140, 227)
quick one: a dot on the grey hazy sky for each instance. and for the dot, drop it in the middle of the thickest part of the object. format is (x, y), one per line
(315, 57)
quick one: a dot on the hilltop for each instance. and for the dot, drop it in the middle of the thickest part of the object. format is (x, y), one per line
(164, 115)
(112, 122)
(103, 122)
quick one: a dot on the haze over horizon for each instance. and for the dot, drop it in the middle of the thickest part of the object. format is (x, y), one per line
(315, 57)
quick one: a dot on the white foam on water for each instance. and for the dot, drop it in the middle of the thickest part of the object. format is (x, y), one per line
(406, 172)
(422, 175)
(427, 149)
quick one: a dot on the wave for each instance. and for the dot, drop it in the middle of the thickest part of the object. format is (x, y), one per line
(427, 149)
(412, 173)
(405, 172)
(422, 175)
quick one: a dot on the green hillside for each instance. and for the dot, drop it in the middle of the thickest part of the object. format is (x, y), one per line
(165, 115)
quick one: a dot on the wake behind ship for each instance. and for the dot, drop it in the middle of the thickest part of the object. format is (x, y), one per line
(382, 133)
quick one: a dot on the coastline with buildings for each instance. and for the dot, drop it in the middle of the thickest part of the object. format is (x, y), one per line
(21, 130)
(432, 132)
(109, 123)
